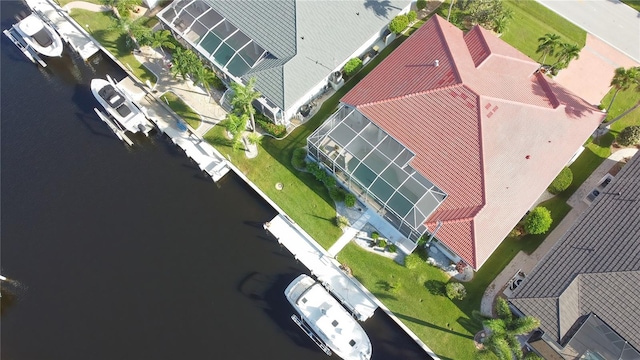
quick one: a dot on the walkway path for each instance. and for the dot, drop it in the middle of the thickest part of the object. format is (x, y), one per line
(526, 263)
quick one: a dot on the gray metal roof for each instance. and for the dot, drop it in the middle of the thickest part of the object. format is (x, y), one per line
(594, 267)
(332, 31)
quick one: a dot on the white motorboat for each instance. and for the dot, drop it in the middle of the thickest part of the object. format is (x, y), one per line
(120, 106)
(40, 36)
(326, 321)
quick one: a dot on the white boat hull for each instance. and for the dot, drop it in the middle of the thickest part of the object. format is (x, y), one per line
(40, 36)
(120, 107)
(328, 319)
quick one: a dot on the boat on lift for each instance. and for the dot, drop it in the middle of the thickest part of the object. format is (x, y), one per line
(120, 106)
(40, 36)
(326, 321)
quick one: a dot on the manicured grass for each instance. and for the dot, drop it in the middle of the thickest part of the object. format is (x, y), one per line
(65, 2)
(416, 297)
(531, 20)
(633, 3)
(182, 109)
(101, 27)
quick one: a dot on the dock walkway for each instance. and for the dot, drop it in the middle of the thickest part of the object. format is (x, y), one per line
(323, 266)
(68, 29)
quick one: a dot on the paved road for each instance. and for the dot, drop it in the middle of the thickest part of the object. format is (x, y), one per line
(610, 20)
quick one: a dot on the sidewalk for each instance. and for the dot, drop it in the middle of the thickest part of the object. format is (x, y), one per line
(197, 98)
(526, 263)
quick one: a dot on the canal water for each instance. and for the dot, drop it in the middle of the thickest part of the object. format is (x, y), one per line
(122, 253)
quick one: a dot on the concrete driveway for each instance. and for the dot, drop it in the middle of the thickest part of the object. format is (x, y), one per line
(610, 20)
(590, 75)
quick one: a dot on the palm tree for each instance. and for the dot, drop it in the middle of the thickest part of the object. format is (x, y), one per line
(243, 99)
(236, 124)
(567, 53)
(162, 38)
(205, 77)
(185, 62)
(548, 45)
(502, 340)
(622, 80)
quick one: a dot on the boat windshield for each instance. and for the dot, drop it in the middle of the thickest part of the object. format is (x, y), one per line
(123, 110)
(42, 38)
(111, 96)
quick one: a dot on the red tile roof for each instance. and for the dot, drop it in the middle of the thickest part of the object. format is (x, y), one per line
(485, 128)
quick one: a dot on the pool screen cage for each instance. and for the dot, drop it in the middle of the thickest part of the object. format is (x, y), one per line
(375, 167)
(213, 36)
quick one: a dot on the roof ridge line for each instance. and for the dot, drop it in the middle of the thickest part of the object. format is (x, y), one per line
(406, 96)
(443, 38)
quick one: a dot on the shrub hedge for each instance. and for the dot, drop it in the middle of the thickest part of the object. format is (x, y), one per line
(268, 126)
(561, 182)
(629, 136)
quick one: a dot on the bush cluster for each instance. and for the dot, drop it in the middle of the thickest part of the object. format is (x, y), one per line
(398, 24)
(561, 182)
(349, 200)
(298, 160)
(455, 290)
(421, 4)
(337, 194)
(412, 261)
(342, 222)
(411, 16)
(538, 221)
(268, 126)
(629, 136)
(352, 66)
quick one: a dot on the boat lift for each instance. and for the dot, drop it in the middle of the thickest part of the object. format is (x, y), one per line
(310, 333)
(114, 127)
(27, 50)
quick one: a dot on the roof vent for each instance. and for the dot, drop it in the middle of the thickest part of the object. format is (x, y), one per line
(436, 63)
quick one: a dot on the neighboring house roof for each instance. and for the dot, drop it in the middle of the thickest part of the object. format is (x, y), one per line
(594, 267)
(332, 31)
(485, 128)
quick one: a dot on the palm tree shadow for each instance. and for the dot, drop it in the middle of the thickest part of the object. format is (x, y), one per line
(380, 8)
(433, 326)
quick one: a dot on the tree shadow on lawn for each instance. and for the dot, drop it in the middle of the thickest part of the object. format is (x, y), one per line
(435, 287)
(433, 326)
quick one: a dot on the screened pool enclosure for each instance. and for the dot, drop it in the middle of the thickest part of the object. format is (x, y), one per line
(375, 167)
(213, 36)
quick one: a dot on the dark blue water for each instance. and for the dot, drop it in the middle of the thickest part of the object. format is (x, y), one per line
(132, 253)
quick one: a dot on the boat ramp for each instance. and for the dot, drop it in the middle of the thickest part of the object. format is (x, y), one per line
(69, 30)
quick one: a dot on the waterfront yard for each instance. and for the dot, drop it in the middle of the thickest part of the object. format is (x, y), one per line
(182, 109)
(102, 26)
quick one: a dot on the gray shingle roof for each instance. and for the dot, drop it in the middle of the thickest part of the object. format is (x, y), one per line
(332, 31)
(594, 267)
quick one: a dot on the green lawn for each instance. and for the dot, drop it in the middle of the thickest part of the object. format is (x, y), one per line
(65, 2)
(100, 26)
(415, 296)
(182, 109)
(633, 3)
(531, 21)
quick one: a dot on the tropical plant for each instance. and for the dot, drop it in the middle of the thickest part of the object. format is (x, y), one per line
(141, 33)
(629, 136)
(243, 98)
(298, 159)
(122, 7)
(421, 4)
(503, 330)
(349, 200)
(342, 222)
(162, 39)
(375, 235)
(538, 221)
(205, 77)
(566, 53)
(623, 79)
(276, 130)
(337, 194)
(185, 62)
(547, 45)
(398, 24)
(254, 138)
(236, 124)
(455, 291)
(352, 66)
(484, 12)
(561, 182)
